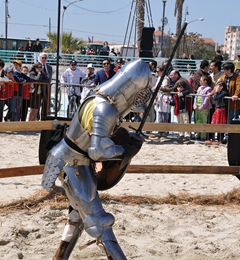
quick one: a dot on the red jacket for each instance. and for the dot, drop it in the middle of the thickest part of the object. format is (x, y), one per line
(7, 89)
(26, 93)
(187, 105)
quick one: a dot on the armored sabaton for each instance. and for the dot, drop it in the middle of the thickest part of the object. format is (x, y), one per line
(93, 136)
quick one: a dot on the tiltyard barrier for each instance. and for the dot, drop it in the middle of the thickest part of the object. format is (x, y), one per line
(171, 169)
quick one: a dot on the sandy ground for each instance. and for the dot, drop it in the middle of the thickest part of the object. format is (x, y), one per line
(146, 231)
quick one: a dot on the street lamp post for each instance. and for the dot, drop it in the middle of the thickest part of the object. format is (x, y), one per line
(184, 36)
(64, 9)
(7, 16)
(163, 23)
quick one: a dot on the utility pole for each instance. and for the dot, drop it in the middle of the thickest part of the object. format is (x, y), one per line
(49, 25)
(6, 23)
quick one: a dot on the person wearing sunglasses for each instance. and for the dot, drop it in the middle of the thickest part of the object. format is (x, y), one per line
(119, 64)
(47, 70)
(36, 73)
(104, 74)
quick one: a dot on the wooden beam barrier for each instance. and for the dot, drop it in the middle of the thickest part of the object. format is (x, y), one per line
(161, 127)
(138, 169)
(174, 127)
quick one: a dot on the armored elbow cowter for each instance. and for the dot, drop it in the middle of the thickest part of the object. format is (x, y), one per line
(102, 148)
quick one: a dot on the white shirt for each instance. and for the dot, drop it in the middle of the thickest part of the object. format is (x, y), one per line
(73, 77)
(4, 78)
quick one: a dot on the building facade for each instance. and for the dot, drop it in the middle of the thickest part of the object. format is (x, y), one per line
(232, 41)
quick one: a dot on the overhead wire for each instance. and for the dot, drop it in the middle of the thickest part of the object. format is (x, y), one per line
(120, 10)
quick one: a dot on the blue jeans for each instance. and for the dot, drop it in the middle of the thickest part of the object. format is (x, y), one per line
(10, 105)
(162, 117)
(18, 106)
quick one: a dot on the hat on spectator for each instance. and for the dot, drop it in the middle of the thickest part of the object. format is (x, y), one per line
(73, 62)
(18, 62)
(9, 69)
(90, 66)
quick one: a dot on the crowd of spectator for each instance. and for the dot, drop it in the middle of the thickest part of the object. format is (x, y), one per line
(23, 89)
(210, 94)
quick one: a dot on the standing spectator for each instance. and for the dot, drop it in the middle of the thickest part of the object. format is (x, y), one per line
(170, 67)
(202, 104)
(218, 56)
(191, 84)
(176, 78)
(152, 113)
(37, 75)
(112, 65)
(71, 77)
(203, 71)
(182, 105)
(190, 80)
(97, 52)
(182, 64)
(184, 56)
(163, 108)
(25, 95)
(20, 54)
(232, 81)
(237, 62)
(46, 89)
(152, 65)
(6, 94)
(37, 46)
(106, 47)
(191, 66)
(29, 48)
(119, 64)
(112, 52)
(2, 74)
(104, 74)
(88, 82)
(219, 115)
(46, 69)
(21, 78)
(215, 67)
(89, 51)
(191, 57)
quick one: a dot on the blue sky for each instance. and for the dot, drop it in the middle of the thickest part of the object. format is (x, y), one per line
(107, 19)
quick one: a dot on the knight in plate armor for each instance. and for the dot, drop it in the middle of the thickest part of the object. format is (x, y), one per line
(94, 155)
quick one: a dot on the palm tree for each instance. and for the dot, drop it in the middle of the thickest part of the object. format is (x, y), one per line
(178, 11)
(140, 21)
(70, 44)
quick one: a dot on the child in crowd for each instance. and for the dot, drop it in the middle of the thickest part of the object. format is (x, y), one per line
(21, 78)
(163, 109)
(219, 115)
(202, 104)
(191, 83)
(190, 80)
(6, 94)
(25, 95)
(182, 104)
